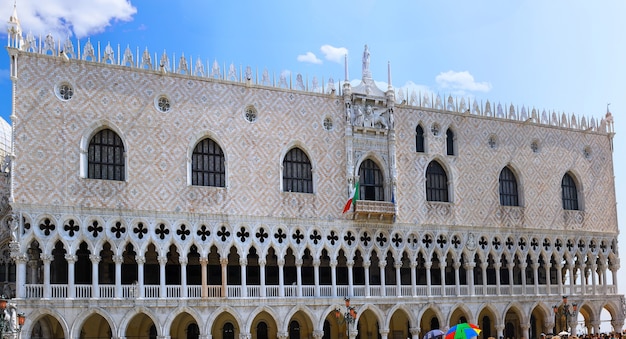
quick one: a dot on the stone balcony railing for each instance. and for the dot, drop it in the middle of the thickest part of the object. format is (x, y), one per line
(62, 291)
(384, 211)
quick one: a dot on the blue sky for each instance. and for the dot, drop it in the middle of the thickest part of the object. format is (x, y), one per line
(566, 56)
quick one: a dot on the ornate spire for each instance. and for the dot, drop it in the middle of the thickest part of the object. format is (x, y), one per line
(14, 29)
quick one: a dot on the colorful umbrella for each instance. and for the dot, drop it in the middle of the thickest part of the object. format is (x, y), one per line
(463, 331)
(434, 334)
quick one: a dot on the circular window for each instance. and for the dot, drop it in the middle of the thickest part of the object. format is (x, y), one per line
(250, 114)
(163, 104)
(534, 146)
(328, 123)
(64, 91)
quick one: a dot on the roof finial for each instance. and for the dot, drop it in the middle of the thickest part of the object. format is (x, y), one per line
(345, 62)
(366, 63)
(389, 75)
(607, 108)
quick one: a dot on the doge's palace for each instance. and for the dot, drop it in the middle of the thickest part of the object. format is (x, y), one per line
(148, 195)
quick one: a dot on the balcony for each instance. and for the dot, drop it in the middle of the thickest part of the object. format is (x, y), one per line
(379, 211)
(63, 291)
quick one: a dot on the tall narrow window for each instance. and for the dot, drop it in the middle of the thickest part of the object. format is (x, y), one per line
(569, 193)
(297, 173)
(207, 164)
(436, 183)
(371, 181)
(449, 142)
(508, 188)
(105, 156)
(419, 139)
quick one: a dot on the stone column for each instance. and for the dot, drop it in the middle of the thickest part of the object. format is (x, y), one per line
(614, 269)
(162, 288)
(547, 267)
(497, 267)
(224, 266)
(350, 265)
(383, 282)
(535, 267)
(397, 265)
(183, 276)
(47, 259)
(457, 280)
(203, 277)
(442, 274)
(594, 268)
(33, 266)
(583, 276)
(318, 334)
(427, 266)
(525, 328)
(118, 260)
(366, 271)
(469, 268)
(299, 277)
(559, 277)
(316, 276)
(243, 263)
(71, 288)
(415, 332)
(483, 267)
(333, 276)
(500, 330)
(95, 289)
(522, 267)
(413, 278)
(281, 277)
(594, 323)
(262, 263)
(383, 333)
(510, 267)
(141, 260)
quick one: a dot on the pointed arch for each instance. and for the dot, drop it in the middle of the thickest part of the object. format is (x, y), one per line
(436, 183)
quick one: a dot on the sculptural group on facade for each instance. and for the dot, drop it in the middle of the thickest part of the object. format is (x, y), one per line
(366, 116)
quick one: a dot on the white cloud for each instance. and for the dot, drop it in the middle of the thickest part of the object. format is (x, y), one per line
(460, 82)
(64, 18)
(335, 54)
(309, 57)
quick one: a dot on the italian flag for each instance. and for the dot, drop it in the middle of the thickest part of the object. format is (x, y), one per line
(354, 196)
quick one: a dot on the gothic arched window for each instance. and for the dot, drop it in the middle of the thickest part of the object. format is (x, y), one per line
(105, 156)
(569, 193)
(436, 183)
(207, 164)
(419, 139)
(508, 188)
(371, 182)
(297, 172)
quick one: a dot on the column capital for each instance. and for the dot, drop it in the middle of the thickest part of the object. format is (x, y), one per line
(46, 258)
(162, 260)
(140, 259)
(71, 258)
(414, 330)
(224, 261)
(183, 261)
(118, 259)
(243, 261)
(94, 258)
